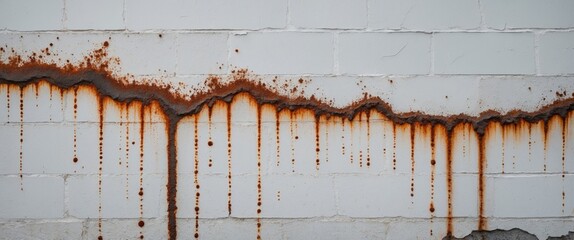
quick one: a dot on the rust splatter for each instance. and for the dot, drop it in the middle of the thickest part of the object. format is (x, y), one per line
(259, 192)
(229, 159)
(196, 174)
(142, 138)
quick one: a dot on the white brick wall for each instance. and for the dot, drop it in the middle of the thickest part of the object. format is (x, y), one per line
(441, 58)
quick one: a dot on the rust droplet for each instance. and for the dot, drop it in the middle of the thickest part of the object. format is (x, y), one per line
(141, 224)
(142, 134)
(196, 171)
(21, 137)
(210, 143)
(259, 191)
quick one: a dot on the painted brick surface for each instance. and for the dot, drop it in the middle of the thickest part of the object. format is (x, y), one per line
(373, 119)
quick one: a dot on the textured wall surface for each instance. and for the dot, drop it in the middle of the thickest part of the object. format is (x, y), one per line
(285, 119)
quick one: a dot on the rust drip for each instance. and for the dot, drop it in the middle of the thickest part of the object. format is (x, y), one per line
(384, 142)
(368, 113)
(351, 140)
(343, 137)
(141, 192)
(481, 183)
(196, 173)
(95, 72)
(209, 129)
(50, 100)
(172, 174)
(21, 155)
(75, 160)
(360, 140)
(564, 134)
(394, 147)
(101, 162)
(259, 192)
(317, 141)
(503, 148)
(545, 140)
(229, 159)
(327, 139)
(449, 183)
(277, 131)
(529, 142)
(292, 130)
(8, 103)
(412, 162)
(127, 151)
(62, 99)
(432, 175)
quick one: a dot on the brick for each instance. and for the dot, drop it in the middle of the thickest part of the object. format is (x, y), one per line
(253, 14)
(484, 53)
(32, 201)
(283, 52)
(542, 197)
(556, 53)
(101, 15)
(24, 15)
(328, 14)
(528, 14)
(42, 228)
(119, 197)
(202, 53)
(384, 53)
(424, 15)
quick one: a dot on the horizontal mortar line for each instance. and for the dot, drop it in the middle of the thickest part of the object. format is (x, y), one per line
(296, 76)
(296, 29)
(67, 175)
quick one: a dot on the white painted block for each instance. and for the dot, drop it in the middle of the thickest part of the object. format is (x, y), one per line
(557, 53)
(70, 229)
(25, 15)
(528, 14)
(424, 15)
(27, 197)
(384, 53)
(283, 52)
(484, 53)
(175, 14)
(202, 53)
(101, 15)
(328, 14)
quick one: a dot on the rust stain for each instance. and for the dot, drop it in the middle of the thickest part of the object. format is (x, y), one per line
(127, 151)
(75, 160)
(277, 137)
(101, 162)
(94, 71)
(228, 115)
(317, 141)
(141, 192)
(21, 155)
(259, 192)
(196, 173)
(482, 224)
(368, 113)
(412, 131)
(8, 102)
(564, 134)
(209, 128)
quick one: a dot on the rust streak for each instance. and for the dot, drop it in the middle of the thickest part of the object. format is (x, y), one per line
(101, 163)
(141, 192)
(432, 176)
(368, 138)
(412, 162)
(277, 136)
(564, 134)
(229, 159)
(75, 160)
(481, 183)
(196, 174)
(449, 182)
(21, 138)
(317, 143)
(259, 192)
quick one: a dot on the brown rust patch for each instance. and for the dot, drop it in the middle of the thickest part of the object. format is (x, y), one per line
(96, 71)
